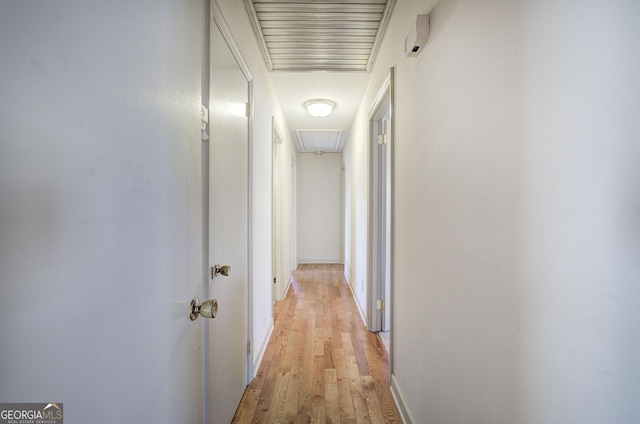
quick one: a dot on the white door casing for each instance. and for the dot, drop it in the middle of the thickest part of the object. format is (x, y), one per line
(276, 198)
(229, 229)
(381, 209)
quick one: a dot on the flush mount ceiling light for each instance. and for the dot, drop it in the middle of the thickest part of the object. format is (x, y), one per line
(319, 107)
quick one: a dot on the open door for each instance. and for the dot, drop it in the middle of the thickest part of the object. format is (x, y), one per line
(227, 335)
(276, 203)
(380, 212)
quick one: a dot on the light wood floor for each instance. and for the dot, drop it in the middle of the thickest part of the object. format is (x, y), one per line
(321, 364)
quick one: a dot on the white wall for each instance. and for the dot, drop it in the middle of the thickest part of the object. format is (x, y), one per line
(265, 107)
(517, 240)
(356, 159)
(285, 157)
(319, 208)
(100, 208)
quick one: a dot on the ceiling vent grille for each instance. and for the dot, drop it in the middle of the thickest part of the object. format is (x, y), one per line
(312, 35)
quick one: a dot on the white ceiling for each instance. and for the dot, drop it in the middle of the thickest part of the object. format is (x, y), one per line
(295, 88)
(319, 49)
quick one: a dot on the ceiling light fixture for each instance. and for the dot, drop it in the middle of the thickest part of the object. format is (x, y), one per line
(319, 107)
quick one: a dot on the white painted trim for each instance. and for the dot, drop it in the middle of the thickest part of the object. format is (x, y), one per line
(384, 23)
(353, 293)
(221, 23)
(260, 353)
(204, 168)
(382, 102)
(392, 231)
(347, 271)
(319, 261)
(294, 212)
(218, 18)
(276, 128)
(383, 92)
(276, 212)
(257, 31)
(286, 289)
(405, 415)
(250, 368)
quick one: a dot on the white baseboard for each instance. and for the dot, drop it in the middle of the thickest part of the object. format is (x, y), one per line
(400, 402)
(257, 359)
(320, 261)
(286, 289)
(355, 299)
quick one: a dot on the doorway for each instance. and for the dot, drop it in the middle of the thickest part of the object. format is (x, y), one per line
(293, 265)
(228, 230)
(277, 212)
(380, 212)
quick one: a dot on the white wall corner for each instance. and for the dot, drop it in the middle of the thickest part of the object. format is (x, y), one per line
(405, 415)
(257, 358)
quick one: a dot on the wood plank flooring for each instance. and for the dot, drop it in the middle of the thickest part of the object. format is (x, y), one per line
(321, 364)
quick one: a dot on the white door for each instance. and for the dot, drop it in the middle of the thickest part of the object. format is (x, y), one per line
(228, 230)
(381, 210)
(276, 228)
(385, 224)
(100, 248)
(381, 221)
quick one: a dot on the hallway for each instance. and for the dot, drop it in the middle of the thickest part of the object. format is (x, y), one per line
(321, 364)
(514, 214)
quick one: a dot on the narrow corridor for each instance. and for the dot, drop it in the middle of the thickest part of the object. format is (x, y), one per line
(321, 364)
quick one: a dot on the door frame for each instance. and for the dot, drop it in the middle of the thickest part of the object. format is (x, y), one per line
(277, 139)
(204, 169)
(380, 231)
(218, 19)
(294, 217)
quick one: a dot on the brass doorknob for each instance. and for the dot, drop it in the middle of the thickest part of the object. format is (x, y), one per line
(220, 270)
(206, 309)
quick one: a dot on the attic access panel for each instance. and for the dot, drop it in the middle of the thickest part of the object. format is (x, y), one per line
(325, 141)
(313, 35)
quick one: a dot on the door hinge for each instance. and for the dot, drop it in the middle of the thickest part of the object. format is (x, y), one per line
(380, 304)
(248, 347)
(248, 111)
(382, 139)
(204, 122)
